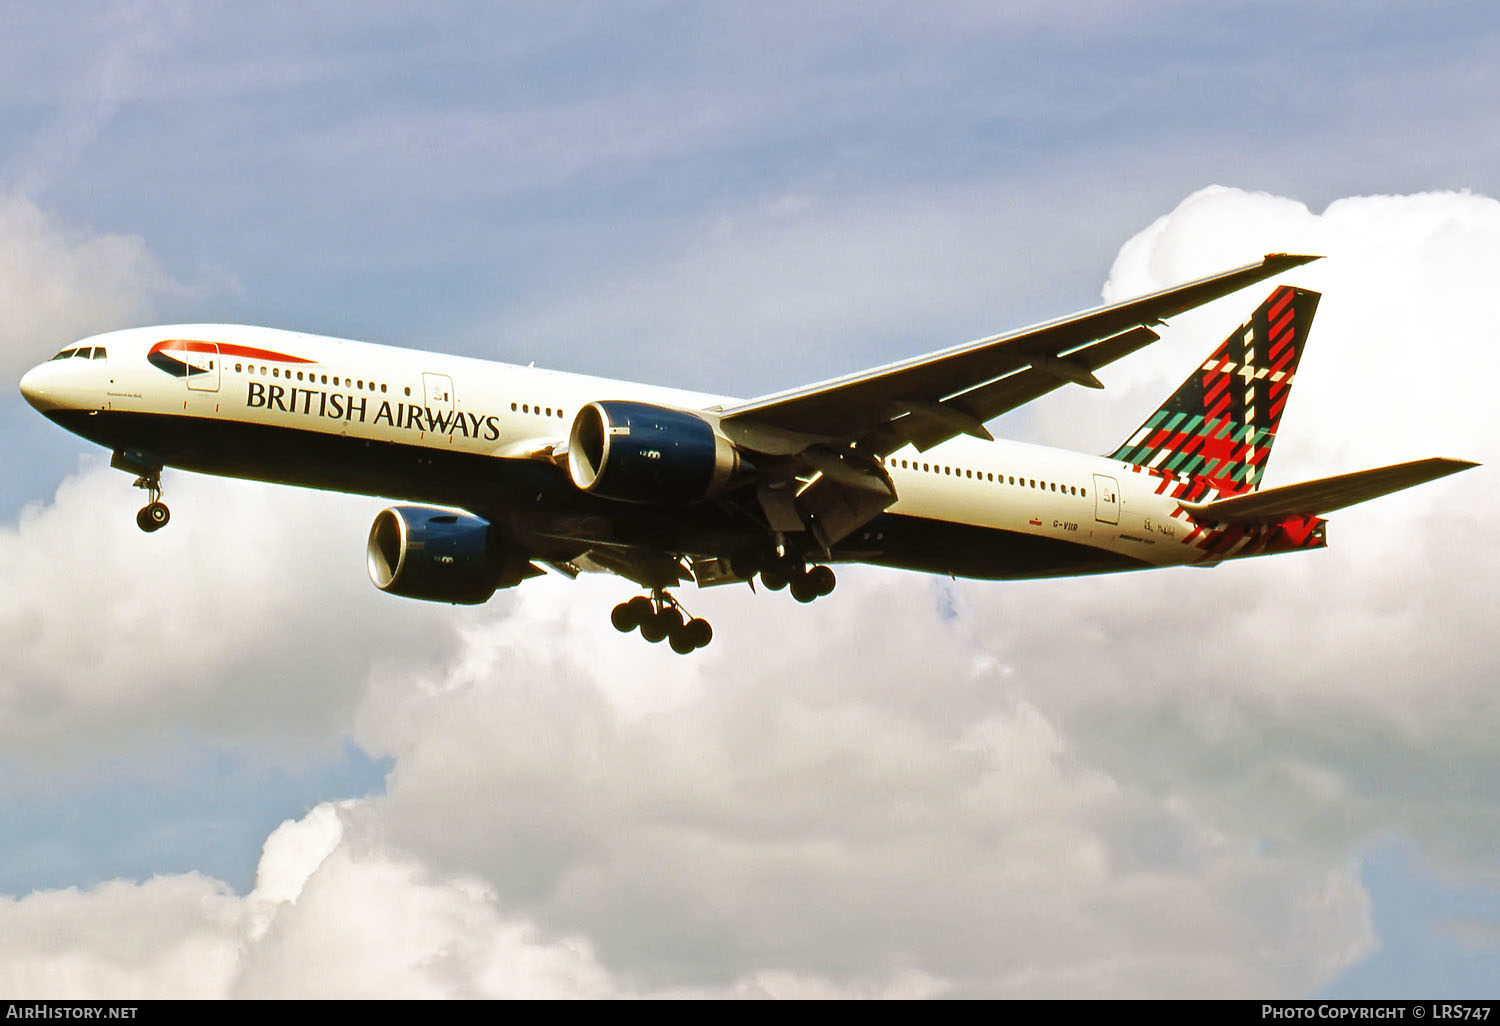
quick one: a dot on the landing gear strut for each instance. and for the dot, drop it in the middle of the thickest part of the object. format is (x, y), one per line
(661, 617)
(154, 515)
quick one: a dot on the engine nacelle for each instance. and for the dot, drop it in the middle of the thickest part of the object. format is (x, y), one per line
(636, 452)
(436, 554)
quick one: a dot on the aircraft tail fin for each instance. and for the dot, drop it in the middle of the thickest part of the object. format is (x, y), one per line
(1218, 427)
(1326, 494)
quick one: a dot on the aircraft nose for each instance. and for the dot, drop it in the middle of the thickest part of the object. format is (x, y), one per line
(34, 387)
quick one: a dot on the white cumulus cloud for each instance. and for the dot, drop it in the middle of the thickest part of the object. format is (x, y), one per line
(60, 282)
(1143, 785)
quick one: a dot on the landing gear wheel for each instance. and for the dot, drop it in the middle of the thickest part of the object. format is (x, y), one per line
(744, 566)
(662, 624)
(772, 580)
(623, 617)
(694, 634)
(803, 589)
(153, 516)
(822, 580)
(659, 618)
(627, 616)
(780, 572)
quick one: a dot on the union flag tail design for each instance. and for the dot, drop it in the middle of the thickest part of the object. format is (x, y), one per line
(1215, 432)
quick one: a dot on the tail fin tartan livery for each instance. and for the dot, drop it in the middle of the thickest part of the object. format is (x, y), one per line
(1217, 429)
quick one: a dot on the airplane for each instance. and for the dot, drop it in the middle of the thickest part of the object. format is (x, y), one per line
(506, 470)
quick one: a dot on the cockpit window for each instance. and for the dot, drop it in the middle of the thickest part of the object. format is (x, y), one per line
(98, 352)
(65, 354)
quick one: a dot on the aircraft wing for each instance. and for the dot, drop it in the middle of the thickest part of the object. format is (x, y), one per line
(929, 399)
(1313, 498)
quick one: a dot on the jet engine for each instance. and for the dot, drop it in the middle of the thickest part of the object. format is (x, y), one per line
(636, 452)
(439, 555)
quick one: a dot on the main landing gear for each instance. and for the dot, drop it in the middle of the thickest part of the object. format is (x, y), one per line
(661, 617)
(807, 583)
(154, 515)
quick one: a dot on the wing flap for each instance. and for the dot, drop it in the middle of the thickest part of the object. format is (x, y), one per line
(989, 400)
(1314, 498)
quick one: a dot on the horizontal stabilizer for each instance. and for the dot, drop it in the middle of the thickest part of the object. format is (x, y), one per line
(1313, 498)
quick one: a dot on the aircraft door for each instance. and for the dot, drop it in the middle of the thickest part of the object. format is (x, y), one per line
(1106, 499)
(202, 359)
(437, 389)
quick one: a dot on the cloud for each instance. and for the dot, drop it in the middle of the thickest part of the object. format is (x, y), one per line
(117, 639)
(59, 283)
(834, 806)
(335, 913)
(173, 936)
(329, 917)
(1143, 785)
(799, 286)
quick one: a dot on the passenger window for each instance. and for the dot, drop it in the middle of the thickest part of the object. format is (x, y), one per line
(408, 390)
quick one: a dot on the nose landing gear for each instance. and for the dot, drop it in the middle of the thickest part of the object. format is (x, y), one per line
(661, 617)
(154, 515)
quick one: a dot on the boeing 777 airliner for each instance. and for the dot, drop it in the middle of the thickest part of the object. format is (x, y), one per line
(512, 469)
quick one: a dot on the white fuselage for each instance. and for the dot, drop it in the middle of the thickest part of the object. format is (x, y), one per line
(314, 387)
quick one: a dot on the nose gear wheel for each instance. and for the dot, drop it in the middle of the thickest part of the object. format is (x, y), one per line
(154, 515)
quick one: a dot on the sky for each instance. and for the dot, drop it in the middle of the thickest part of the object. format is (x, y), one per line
(230, 767)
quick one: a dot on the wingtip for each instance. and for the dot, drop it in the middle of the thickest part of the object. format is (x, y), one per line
(1292, 259)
